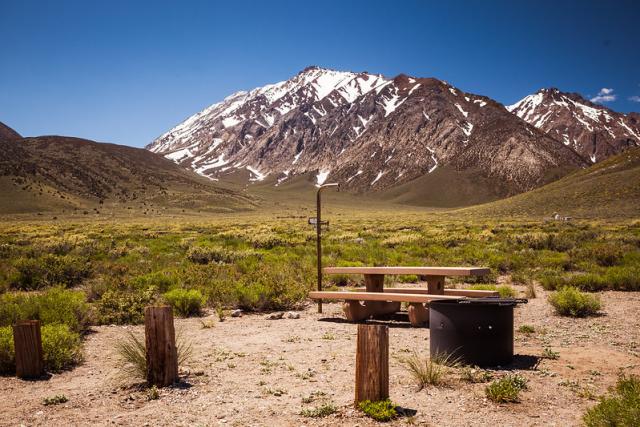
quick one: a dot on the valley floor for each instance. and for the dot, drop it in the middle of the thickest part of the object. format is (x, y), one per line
(254, 371)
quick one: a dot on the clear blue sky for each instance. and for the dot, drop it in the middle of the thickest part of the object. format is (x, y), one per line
(126, 71)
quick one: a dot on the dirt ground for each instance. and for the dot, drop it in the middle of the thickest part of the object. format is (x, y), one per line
(254, 371)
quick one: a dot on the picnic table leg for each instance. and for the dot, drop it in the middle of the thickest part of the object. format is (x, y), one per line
(418, 314)
(435, 284)
(375, 283)
(354, 311)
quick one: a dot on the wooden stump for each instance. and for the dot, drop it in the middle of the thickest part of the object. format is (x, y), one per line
(372, 363)
(27, 342)
(160, 341)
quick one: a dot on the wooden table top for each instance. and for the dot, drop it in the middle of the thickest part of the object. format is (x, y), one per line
(418, 271)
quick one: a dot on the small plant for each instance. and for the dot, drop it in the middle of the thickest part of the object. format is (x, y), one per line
(384, 410)
(530, 291)
(321, 411)
(475, 375)
(276, 392)
(429, 371)
(569, 301)
(328, 336)
(547, 353)
(620, 408)
(55, 400)
(185, 302)
(506, 390)
(153, 393)
(222, 315)
(207, 324)
(526, 329)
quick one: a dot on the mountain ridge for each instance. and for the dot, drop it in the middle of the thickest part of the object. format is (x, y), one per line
(594, 131)
(367, 131)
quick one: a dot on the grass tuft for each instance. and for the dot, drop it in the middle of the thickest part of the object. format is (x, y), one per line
(132, 358)
(429, 371)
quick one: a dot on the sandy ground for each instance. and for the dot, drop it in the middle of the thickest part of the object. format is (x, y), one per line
(254, 371)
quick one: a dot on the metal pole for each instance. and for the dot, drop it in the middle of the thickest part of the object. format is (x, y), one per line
(319, 236)
(319, 245)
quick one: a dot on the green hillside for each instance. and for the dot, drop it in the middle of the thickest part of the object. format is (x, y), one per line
(608, 189)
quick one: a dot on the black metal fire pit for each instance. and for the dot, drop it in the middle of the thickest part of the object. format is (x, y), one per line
(477, 331)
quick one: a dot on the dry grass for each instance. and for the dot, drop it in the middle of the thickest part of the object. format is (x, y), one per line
(132, 361)
(430, 371)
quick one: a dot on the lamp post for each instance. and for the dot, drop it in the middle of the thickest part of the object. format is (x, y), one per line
(319, 235)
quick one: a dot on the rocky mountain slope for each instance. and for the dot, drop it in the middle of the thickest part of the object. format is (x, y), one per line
(592, 130)
(8, 134)
(55, 172)
(366, 131)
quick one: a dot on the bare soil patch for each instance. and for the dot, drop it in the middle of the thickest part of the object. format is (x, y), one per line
(254, 371)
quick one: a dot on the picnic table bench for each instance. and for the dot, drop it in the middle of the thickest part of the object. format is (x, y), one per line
(376, 300)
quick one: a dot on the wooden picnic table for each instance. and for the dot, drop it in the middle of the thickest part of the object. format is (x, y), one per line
(379, 300)
(434, 276)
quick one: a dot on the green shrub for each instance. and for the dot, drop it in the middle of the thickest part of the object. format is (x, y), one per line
(408, 278)
(267, 241)
(205, 255)
(604, 254)
(549, 241)
(506, 389)
(185, 302)
(620, 408)
(124, 306)
(526, 329)
(55, 305)
(269, 288)
(55, 400)
(569, 301)
(7, 355)
(383, 410)
(49, 270)
(160, 280)
(61, 348)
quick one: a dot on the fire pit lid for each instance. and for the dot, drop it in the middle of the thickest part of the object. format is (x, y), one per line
(485, 301)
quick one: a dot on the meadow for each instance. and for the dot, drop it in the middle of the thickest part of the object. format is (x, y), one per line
(107, 272)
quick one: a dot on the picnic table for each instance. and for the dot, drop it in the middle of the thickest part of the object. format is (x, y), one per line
(378, 300)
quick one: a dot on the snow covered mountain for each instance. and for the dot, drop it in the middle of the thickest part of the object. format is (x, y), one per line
(366, 131)
(592, 130)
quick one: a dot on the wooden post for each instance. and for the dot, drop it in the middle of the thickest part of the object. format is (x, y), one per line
(160, 341)
(27, 342)
(372, 363)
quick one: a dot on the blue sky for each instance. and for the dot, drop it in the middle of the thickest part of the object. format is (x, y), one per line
(126, 71)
